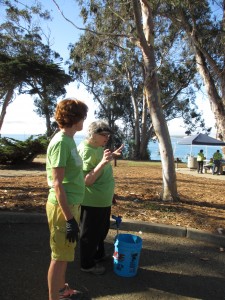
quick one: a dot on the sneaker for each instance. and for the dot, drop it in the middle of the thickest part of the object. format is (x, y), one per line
(103, 258)
(69, 294)
(96, 270)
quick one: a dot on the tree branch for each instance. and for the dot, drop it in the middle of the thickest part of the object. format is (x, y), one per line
(192, 32)
(86, 29)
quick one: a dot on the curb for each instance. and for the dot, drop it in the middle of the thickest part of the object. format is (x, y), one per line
(177, 231)
(126, 225)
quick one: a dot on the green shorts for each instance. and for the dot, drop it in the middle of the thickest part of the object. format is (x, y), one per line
(62, 249)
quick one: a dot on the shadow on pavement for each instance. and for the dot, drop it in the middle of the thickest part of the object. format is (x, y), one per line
(170, 268)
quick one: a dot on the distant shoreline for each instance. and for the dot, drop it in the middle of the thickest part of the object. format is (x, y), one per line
(179, 151)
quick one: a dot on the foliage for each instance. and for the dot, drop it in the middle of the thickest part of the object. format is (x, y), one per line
(27, 62)
(111, 67)
(17, 152)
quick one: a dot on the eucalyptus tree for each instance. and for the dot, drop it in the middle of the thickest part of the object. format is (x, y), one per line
(99, 62)
(122, 22)
(118, 24)
(145, 41)
(202, 27)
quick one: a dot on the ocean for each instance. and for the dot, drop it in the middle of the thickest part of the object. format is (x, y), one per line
(180, 151)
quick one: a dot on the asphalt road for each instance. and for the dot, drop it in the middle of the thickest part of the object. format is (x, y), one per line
(169, 268)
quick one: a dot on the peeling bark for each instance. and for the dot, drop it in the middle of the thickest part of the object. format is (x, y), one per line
(152, 92)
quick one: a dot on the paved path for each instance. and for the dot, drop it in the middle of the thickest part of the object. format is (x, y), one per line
(39, 169)
(194, 172)
(170, 267)
(18, 173)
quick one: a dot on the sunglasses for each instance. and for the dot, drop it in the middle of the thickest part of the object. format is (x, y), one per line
(105, 134)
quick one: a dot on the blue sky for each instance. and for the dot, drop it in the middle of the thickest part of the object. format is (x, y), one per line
(20, 118)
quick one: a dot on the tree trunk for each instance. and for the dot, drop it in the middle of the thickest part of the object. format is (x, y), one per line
(216, 102)
(146, 133)
(146, 44)
(143, 141)
(5, 104)
(45, 112)
(212, 75)
(145, 138)
(136, 115)
(169, 191)
(48, 126)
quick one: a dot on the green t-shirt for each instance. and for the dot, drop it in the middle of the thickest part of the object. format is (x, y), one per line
(62, 152)
(217, 156)
(200, 156)
(100, 193)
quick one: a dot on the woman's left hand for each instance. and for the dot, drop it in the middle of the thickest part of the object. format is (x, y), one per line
(118, 151)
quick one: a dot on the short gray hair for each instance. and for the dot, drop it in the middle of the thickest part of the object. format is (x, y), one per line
(97, 127)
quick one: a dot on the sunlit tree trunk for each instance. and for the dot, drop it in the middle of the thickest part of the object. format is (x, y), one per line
(146, 133)
(144, 24)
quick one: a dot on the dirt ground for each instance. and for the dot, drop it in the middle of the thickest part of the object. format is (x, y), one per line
(138, 187)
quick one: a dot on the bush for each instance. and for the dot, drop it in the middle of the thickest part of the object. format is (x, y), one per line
(16, 152)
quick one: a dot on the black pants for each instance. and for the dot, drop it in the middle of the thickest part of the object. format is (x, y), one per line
(200, 166)
(94, 227)
(216, 166)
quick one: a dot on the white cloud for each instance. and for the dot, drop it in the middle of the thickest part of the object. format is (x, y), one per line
(21, 119)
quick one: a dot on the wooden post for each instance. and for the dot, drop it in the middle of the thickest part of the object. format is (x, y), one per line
(115, 162)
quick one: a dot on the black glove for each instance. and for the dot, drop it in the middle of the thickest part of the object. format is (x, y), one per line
(72, 230)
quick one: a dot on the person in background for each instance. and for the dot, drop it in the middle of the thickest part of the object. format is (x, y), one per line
(99, 191)
(66, 193)
(209, 165)
(217, 156)
(200, 159)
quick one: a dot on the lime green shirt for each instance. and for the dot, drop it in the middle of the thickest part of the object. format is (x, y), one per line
(62, 152)
(217, 156)
(200, 156)
(100, 193)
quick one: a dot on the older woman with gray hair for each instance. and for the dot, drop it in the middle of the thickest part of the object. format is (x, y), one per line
(99, 191)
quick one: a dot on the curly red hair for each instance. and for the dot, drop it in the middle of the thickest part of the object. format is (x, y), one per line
(69, 112)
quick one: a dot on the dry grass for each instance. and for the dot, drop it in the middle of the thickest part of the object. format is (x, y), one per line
(138, 186)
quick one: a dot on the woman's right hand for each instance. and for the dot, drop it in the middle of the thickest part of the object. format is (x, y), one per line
(91, 177)
(107, 156)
